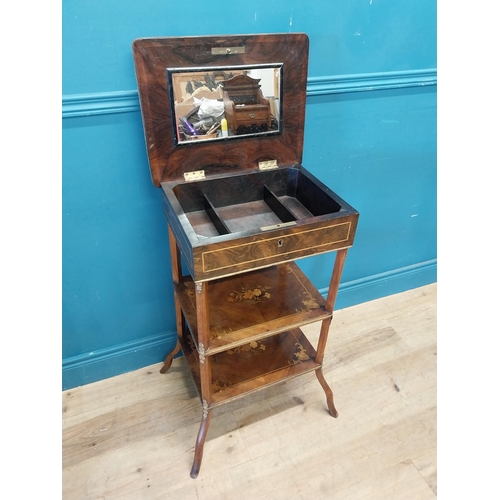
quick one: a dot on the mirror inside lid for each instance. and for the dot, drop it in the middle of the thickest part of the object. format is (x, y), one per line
(225, 102)
(221, 104)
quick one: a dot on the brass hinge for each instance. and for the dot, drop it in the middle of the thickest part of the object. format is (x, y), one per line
(196, 175)
(268, 164)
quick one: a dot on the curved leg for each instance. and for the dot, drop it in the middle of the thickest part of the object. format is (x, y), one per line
(200, 440)
(170, 357)
(329, 394)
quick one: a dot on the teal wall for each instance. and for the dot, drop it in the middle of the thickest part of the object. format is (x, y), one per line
(370, 135)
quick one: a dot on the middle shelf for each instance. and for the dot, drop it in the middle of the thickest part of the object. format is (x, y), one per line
(251, 306)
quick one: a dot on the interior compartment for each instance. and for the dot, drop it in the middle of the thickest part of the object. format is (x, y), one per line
(252, 201)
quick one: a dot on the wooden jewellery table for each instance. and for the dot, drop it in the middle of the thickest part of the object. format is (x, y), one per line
(240, 212)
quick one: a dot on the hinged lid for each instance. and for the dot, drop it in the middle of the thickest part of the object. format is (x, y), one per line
(186, 111)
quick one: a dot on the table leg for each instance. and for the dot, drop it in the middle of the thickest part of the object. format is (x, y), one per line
(200, 440)
(176, 274)
(325, 327)
(203, 322)
(170, 356)
(329, 394)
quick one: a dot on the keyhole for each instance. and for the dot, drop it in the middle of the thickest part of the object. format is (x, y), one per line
(280, 243)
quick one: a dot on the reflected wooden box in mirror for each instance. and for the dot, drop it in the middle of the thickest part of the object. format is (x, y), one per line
(240, 210)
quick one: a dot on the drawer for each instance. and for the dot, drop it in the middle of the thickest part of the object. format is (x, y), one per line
(267, 251)
(252, 115)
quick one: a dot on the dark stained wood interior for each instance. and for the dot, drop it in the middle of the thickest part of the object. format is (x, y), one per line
(238, 222)
(252, 200)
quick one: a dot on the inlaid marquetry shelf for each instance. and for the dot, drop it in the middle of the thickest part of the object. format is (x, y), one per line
(251, 306)
(253, 366)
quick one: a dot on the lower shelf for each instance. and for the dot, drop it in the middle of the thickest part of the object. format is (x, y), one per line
(253, 366)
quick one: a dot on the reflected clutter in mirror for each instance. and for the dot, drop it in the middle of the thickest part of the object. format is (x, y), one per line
(221, 103)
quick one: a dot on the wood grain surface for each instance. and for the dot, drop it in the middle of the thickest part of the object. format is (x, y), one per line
(152, 56)
(248, 306)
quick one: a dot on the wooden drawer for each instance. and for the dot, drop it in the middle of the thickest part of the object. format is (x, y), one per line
(249, 115)
(280, 248)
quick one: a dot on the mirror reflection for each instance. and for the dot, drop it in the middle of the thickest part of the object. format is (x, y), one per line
(225, 102)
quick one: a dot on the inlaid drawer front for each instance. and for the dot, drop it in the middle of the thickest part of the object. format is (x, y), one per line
(267, 251)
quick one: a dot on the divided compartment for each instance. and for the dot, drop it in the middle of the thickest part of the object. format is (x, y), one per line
(252, 201)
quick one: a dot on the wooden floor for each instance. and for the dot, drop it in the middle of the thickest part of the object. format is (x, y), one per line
(132, 436)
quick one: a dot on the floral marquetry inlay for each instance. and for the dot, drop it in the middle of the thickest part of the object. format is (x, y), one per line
(255, 293)
(248, 349)
(238, 303)
(309, 302)
(300, 354)
(275, 353)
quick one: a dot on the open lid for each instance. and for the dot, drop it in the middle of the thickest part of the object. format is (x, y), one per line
(181, 84)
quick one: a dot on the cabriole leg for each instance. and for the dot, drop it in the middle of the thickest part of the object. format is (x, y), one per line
(170, 357)
(203, 320)
(325, 326)
(180, 329)
(200, 441)
(329, 394)
(176, 275)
